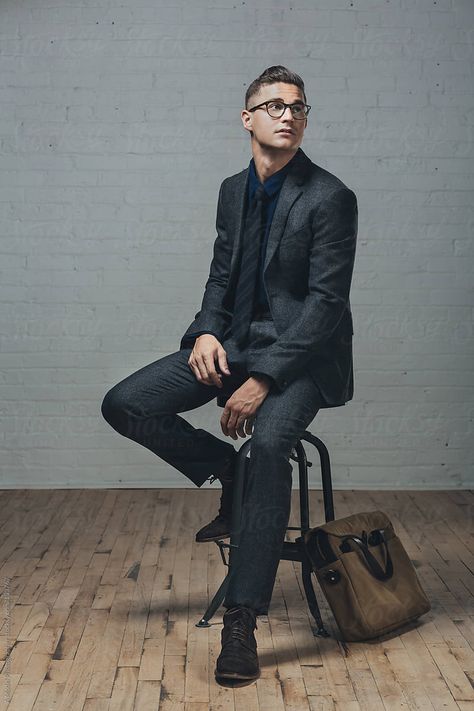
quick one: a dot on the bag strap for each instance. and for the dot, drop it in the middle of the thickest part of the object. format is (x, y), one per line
(319, 548)
(372, 563)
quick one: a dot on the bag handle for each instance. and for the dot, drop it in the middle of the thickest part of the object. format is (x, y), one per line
(373, 564)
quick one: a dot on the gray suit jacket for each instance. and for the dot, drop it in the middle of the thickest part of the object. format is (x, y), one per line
(307, 275)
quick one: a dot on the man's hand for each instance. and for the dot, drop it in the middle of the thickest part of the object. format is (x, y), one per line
(241, 407)
(206, 351)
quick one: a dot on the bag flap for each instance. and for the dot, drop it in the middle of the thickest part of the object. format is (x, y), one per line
(358, 522)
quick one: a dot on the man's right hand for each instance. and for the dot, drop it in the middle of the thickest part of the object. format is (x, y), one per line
(207, 350)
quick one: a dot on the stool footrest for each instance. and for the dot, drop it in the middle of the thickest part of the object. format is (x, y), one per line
(291, 551)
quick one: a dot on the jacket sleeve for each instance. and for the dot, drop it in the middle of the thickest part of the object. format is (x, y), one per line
(213, 317)
(188, 341)
(331, 265)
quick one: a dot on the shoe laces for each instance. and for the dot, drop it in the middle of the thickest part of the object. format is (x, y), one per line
(239, 629)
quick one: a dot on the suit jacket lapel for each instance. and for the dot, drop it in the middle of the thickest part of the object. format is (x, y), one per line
(289, 193)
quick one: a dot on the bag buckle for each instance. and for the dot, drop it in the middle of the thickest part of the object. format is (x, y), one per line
(332, 576)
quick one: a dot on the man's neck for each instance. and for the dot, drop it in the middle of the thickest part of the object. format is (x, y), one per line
(270, 161)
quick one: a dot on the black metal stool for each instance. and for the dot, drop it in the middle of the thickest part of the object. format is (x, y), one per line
(291, 550)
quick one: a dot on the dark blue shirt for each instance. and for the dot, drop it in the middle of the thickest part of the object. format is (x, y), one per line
(272, 187)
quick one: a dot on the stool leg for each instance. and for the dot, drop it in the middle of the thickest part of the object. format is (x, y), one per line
(306, 571)
(237, 500)
(312, 601)
(304, 489)
(215, 603)
(306, 568)
(325, 474)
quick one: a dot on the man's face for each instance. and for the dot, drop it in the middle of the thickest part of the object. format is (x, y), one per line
(267, 130)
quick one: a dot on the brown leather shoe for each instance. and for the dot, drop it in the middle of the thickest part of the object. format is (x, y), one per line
(237, 664)
(220, 526)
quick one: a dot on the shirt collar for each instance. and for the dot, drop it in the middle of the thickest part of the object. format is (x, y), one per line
(273, 183)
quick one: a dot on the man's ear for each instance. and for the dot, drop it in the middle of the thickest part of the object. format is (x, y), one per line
(244, 125)
(247, 127)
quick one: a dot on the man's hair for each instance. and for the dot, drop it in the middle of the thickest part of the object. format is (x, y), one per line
(272, 75)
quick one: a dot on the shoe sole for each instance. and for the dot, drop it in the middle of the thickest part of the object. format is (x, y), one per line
(232, 679)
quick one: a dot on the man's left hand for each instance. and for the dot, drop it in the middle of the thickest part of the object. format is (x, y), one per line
(240, 409)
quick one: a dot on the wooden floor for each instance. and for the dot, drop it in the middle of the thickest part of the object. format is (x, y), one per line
(100, 591)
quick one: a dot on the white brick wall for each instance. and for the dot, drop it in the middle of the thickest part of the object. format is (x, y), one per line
(107, 210)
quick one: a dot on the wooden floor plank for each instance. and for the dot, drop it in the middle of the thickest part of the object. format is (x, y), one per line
(103, 589)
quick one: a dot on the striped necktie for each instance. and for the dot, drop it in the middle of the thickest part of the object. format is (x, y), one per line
(247, 282)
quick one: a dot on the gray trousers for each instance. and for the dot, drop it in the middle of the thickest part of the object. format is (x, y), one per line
(144, 407)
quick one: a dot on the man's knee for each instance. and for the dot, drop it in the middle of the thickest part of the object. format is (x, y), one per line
(271, 440)
(119, 403)
(113, 405)
(124, 404)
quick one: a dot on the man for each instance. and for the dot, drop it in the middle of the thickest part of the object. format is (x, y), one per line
(272, 340)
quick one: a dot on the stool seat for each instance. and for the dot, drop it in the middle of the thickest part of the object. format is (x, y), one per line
(291, 550)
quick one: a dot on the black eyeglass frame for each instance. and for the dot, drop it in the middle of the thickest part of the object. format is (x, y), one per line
(276, 101)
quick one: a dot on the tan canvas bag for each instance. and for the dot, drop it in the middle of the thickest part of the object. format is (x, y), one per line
(365, 574)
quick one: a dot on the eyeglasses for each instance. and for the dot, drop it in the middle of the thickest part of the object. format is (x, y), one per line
(276, 109)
